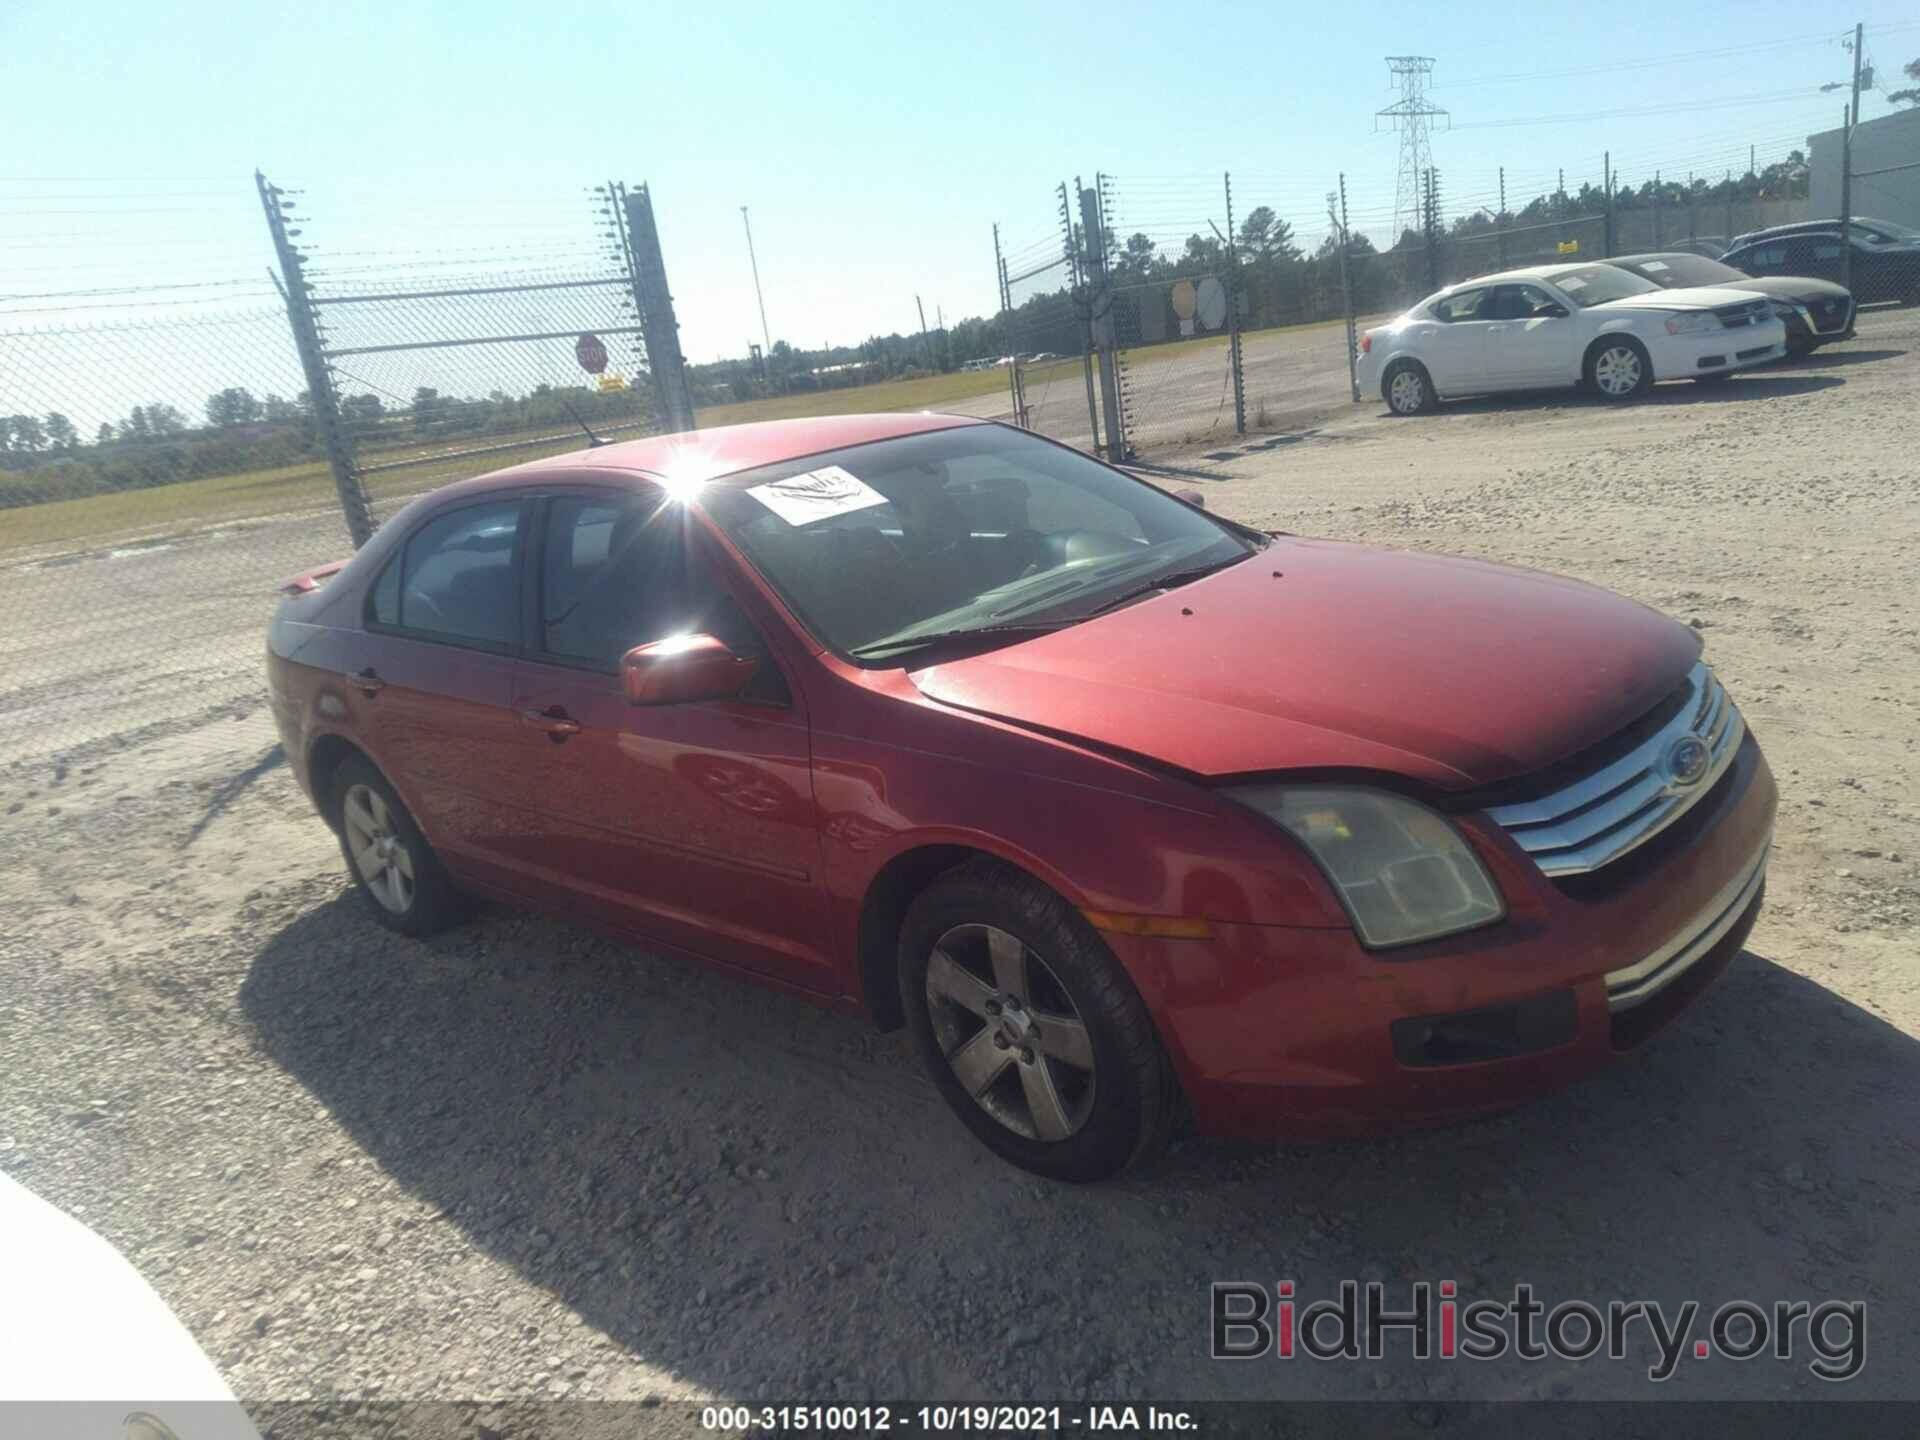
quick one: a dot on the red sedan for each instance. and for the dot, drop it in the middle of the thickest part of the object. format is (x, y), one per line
(1125, 810)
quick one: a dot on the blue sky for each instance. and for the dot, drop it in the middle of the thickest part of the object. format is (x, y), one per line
(876, 144)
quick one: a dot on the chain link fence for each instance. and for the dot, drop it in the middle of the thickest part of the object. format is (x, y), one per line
(166, 465)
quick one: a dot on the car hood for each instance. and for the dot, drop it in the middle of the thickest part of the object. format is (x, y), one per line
(1792, 287)
(1686, 297)
(1320, 655)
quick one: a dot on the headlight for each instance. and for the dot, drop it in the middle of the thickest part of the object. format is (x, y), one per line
(1402, 870)
(1693, 323)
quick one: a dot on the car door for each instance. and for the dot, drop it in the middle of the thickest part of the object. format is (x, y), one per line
(692, 824)
(1532, 338)
(432, 674)
(1454, 348)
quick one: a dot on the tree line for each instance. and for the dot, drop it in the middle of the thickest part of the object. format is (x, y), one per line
(45, 457)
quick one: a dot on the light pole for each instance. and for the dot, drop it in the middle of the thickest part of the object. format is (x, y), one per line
(1846, 163)
(765, 339)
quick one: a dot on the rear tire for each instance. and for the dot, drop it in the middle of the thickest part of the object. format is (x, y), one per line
(1619, 368)
(1030, 1028)
(1407, 388)
(399, 878)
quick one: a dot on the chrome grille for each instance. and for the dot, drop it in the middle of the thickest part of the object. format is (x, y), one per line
(1626, 802)
(1750, 312)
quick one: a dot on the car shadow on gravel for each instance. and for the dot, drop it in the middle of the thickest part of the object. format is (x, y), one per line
(768, 1200)
(1830, 359)
(1753, 385)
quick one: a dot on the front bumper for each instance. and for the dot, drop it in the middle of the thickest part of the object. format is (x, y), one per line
(1715, 352)
(1805, 328)
(1300, 1033)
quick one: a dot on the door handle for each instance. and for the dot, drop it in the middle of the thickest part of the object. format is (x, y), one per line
(368, 682)
(554, 721)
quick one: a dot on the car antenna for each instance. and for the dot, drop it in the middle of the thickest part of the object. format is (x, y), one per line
(594, 442)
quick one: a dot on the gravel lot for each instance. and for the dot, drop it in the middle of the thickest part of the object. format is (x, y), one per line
(520, 1161)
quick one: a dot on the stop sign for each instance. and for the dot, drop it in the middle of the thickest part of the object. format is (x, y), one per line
(591, 351)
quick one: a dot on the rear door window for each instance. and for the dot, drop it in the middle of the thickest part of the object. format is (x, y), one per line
(457, 578)
(1455, 308)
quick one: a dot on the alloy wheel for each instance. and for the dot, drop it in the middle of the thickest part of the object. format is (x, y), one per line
(379, 851)
(1010, 1032)
(1406, 392)
(1617, 370)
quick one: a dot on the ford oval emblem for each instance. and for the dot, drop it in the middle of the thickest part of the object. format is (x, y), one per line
(1687, 761)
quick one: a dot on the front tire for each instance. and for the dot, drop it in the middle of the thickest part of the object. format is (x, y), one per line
(1407, 388)
(1619, 368)
(399, 878)
(1030, 1029)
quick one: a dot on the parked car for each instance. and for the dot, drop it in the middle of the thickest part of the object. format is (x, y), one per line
(90, 1335)
(1814, 311)
(1885, 266)
(1864, 228)
(1124, 810)
(1563, 325)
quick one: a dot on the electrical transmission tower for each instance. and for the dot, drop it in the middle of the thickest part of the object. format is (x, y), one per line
(1412, 115)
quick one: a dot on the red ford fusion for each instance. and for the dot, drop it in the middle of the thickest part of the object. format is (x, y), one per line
(1133, 816)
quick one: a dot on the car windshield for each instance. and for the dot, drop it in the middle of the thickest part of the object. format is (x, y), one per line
(1674, 271)
(1592, 285)
(1882, 232)
(881, 547)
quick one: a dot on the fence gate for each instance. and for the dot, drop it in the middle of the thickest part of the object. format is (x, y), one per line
(413, 387)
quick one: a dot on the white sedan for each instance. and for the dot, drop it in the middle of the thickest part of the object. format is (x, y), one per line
(1564, 325)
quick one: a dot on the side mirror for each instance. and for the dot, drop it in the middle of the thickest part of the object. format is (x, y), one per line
(1554, 311)
(1192, 497)
(682, 670)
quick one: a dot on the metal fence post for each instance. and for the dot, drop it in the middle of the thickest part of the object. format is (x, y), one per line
(1100, 320)
(1006, 332)
(1070, 238)
(1346, 287)
(1233, 316)
(1500, 224)
(1606, 238)
(658, 325)
(321, 398)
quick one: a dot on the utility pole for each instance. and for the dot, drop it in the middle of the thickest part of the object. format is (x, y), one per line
(1846, 166)
(766, 340)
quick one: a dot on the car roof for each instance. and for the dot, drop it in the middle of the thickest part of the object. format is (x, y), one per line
(699, 456)
(1658, 255)
(1508, 277)
(1801, 227)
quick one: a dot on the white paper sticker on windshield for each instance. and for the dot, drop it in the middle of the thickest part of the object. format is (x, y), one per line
(1572, 282)
(1653, 265)
(817, 495)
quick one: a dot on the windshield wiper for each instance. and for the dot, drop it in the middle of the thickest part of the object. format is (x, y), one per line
(911, 642)
(1155, 586)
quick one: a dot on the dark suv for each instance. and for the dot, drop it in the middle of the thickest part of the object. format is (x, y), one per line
(1886, 257)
